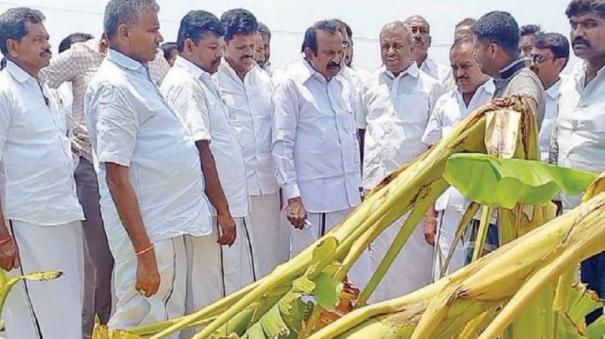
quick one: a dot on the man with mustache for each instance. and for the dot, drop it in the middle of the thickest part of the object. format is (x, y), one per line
(473, 89)
(549, 57)
(39, 211)
(496, 41)
(265, 33)
(396, 104)
(193, 94)
(315, 147)
(247, 91)
(152, 189)
(579, 138)
(422, 42)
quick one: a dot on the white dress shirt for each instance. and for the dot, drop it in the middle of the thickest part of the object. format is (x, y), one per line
(550, 116)
(580, 126)
(449, 110)
(315, 146)
(250, 109)
(36, 169)
(197, 100)
(395, 111)
(132, 125)
(437, 71)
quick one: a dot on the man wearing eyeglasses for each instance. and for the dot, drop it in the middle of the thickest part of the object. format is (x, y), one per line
(549, 57)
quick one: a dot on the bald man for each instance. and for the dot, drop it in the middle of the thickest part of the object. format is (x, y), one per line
(396, 103)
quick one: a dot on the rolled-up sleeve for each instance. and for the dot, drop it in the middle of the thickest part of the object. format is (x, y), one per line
(189, 101)
(433, 131)
(117, 127)
(285, 122)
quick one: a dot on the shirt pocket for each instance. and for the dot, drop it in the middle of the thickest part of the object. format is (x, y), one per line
(413, 109)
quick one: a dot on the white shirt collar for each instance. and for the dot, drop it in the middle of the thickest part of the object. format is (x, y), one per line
(412, 70)
(190, 67)
(553, 90)
(302, 71)
(17, 72)
(123, 60)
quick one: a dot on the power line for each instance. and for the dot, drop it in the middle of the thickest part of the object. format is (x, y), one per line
(361, 39)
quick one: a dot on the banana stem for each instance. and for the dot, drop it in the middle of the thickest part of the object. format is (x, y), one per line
(402, 237)
(482, 232)
(470, 212)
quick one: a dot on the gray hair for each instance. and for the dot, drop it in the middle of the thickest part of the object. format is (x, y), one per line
(118, 12)
(399, 24)
(12, 24)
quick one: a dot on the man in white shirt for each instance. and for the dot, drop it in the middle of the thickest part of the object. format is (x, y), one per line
(579, 134)
(422, 42)
(247, 91)
(396, 104)
(549, 57)
(197, 101)
(151, 186)
(315, 147)
(40, 228)
(474, 89)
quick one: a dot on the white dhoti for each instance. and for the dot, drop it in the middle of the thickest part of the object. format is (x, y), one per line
(49, 309)
(321, 223)
(134, 309)
(215, 271)
(412, 268)
(270, 240)
(448, 223)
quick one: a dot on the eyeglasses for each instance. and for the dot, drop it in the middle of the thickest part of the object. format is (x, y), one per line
(537, 58)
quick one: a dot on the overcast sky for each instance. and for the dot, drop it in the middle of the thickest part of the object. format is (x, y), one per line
(289, 18)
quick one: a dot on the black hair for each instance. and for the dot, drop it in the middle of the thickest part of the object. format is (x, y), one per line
(577, 7)
(500, 28)
(12, 24)
(556, 42)
(530, 29)
(310, 40)
(195, 25)
(72, 39)
(238, 21)
(167, 47)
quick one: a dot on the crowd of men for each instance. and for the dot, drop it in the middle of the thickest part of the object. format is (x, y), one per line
(158, 180)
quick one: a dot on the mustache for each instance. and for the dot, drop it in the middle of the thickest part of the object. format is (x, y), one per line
(580, 40)
(462, 78)
(333, 65)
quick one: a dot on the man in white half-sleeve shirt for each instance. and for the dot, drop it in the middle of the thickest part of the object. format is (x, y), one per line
(549, 57)
(40, 225)
(579, 137)
(396, 103)
(196, 99)
(151, 186)
(474, 89)
(248, 93)
(314, 138)
(421, 31)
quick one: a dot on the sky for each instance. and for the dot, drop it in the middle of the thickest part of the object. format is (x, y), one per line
(288, 19)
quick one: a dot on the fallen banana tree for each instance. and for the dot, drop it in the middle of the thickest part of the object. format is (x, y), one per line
(491, 297)
(291, 301)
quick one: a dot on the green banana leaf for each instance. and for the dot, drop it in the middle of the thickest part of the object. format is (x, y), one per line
(505, 182)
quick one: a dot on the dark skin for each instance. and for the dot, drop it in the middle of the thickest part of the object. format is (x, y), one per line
(588, 41)
(327, 61)
(206, 54)
(31, 53)
(138, 40)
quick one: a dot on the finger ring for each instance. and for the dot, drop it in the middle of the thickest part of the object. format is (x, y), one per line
(141, 291)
